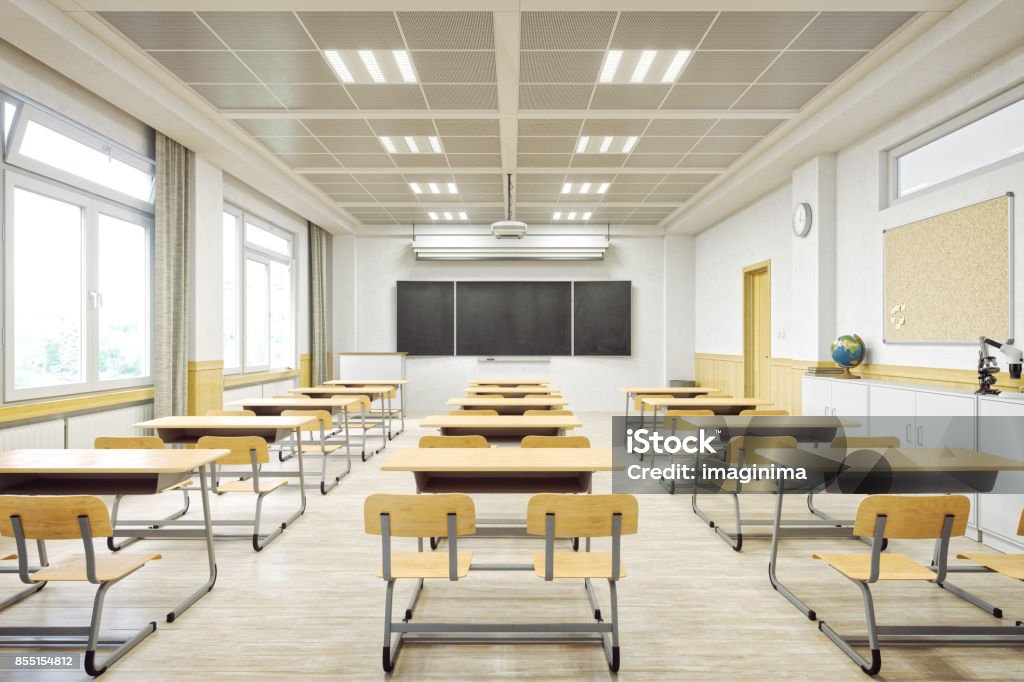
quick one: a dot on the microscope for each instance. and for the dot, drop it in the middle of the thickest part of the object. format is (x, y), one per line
(988, 367)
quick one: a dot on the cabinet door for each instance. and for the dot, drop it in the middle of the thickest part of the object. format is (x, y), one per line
(1001, 433)
(892, 413)
(849, 399)
(944, 420)
(817, 397)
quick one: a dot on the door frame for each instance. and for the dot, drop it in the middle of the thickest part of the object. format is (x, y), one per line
(750, 363)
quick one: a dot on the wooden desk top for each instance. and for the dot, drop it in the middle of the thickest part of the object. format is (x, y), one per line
(296, 403)
(766, 422)
(509, 421)
(343, 390)
(901, 460)
(508, 382)
(697, 403)
(513, 460)
(220, 423)
(92, 461)
(367, 382)
(484, 401)
(512, 390)
(676, 390)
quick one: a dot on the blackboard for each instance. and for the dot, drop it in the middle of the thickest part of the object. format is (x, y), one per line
(426, 318)
(514, 318)
(601, 318)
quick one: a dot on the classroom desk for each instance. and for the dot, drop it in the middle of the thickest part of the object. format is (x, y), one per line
(510, 391)
(108, 472)
(502, 425)
(678, 391)
(508, 405)
(381, 392)
(399, 385)
(906, 471)
(716, 405)
(508, 382)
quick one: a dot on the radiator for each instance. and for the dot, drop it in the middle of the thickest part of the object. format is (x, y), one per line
(48, 434)
(83, 429)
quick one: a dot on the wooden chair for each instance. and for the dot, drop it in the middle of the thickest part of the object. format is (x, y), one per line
(363, 409)
(673, 417)
(73, 517)
(385, 411)
(1010, 565)
(230, 413)
(453, 442)
(764, 413)
(138, 443)
(446, 515)
(548, 413)
(474, 413)
(640, 408)
(552, 516)
(253, 452)
(320, 438)
(299, 396)
(909, 517)
(544, 395)
(554, 442)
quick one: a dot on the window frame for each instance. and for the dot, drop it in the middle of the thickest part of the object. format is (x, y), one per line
(892, 156)
(92, 207)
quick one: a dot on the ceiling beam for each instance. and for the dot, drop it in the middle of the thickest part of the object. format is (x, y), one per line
(496, 170)
(506, 63)
(598, 114)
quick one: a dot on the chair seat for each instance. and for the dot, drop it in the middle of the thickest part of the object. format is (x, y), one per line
(179, 484)
(891, 567)
(578, 565)
(1011, 565)
(245, 486)
(312, 447)
(426, 565)
(108, 568)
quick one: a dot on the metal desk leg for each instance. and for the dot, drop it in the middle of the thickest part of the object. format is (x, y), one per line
(204, 489)
(773, 559)
(401, 407)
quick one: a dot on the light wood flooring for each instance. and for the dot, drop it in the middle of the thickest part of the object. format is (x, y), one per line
(310, 607)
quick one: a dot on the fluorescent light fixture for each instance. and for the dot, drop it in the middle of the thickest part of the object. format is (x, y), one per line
(606, 144)
(584, 188)
(372, 67)
(452, 189)
(404, 65)
(433, 216)
(415, 188)
(338, 65)
(572, 215)
(566, 188)
(672, 72)
(557, 216)
(435, 144)
(603, 188)
(643, 65)
(581, 146)
(447, 215)
(586, 216)
(434, 189)
(463, 216)
(411, 142)
(611, 65)
(627, 146)
(388, 144)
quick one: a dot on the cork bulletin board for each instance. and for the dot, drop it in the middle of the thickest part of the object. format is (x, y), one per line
(949, 278)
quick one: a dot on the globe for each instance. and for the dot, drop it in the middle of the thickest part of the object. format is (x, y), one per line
(848, 352)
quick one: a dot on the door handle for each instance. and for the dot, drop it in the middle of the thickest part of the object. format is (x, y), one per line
(908, 434)
(920, 435)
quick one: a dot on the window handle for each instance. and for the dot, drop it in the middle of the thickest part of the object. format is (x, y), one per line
(97, 299)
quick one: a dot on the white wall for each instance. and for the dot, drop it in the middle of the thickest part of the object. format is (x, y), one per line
(588, 382)
(679, 306)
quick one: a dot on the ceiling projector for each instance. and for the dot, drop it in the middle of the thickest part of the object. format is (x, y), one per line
(508, 229)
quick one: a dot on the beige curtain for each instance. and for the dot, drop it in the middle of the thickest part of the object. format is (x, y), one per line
(173, 232)
(320, 354)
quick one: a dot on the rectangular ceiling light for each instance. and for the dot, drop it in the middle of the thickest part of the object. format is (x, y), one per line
(557, 215)
(452, 188)
(415, 186)
(411, 142)
(338, 66)
(611, 65)
(372, 67)
(627, 146)
(584, 188)
(447, 215)
(572, 215)
(586, 216)
(566, 188)
(404, 65)
(463, 216)
(606, 144)
(676, 66)
(435, 144)
(388, 144)
(581, 145)
(433, 216)
(643, 65)
(603, 188)
(434, 189)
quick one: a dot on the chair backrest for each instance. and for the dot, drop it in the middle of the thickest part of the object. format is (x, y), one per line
(867, 442)
(240, 447)
(230, 413)
(393, 393)
(547, 413)
(764, 413)
(581, 516)
(419, 516)
(717, 395)
(554, 442)
(300, 396)
(543, 395)
(128, 443)
(45, 517)
(474, 413)
(364, 403)
(912, 516)
(484, 386)
(323, 417)
(453, 442)
(1020, 525)
(750, 444)
(637, 404)
(689, 413)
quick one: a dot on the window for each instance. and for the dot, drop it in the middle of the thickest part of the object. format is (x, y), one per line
(981, 137)
(258, 295)
(78, 313)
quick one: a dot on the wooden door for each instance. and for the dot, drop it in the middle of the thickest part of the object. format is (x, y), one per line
(757, 345)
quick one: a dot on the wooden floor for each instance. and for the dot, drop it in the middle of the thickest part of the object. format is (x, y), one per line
(309, 606)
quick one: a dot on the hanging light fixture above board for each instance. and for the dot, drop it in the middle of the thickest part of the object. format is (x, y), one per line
(509, 228)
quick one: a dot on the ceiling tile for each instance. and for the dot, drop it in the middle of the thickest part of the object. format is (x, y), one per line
(660, 30)
(239, 96)
(850, 30)
(353, 145)
(455, 67)
(629, 96)
(273, 126)
(366, 160)
(741, 126)
(259, 30)
(419, 160)
(468, 127)
(312, 96)
(448, 30)
(688, 96)
(778, 96)
(308, 160)
(559, 66)
(543, 160)
(289, 67)
(461, 96)
(664, 145)
(340, 126)
(554, 96)
(707, 160)
(387, 96)
(810, 67)
(680, 127)
(602, 126)
(755, 30)
(164, 30)
(652, 160)
(566, 30)
(555, 126)
(293, 145)
(725, 145)
(205, 67)
(597, 160)
(401, 127)
(726, 67)
(330, 178)
(474, 160)
(546, 145)
(471, 145)
(353, 30)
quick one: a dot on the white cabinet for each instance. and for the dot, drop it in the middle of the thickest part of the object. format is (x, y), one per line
(922, 418)
(843, 398)
(1001, 432)
(816, 396)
